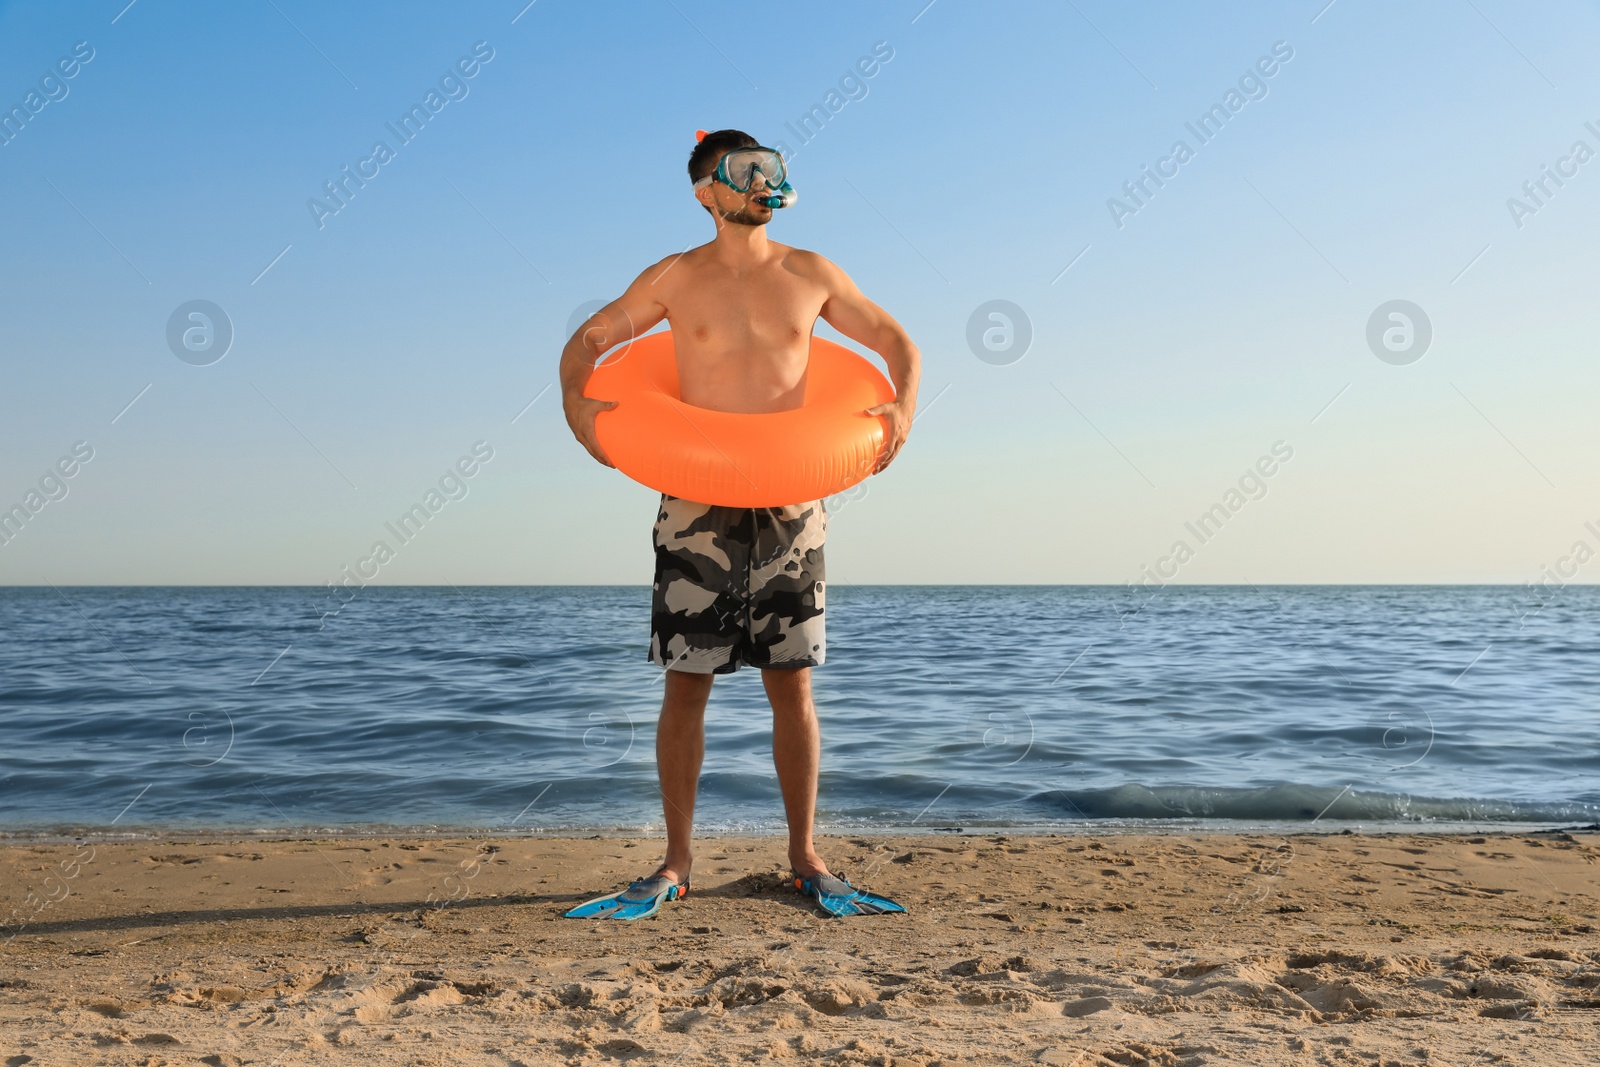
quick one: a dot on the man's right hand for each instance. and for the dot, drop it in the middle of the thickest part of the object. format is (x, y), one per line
(581, 411)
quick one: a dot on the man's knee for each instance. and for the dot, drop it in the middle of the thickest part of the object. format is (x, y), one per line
(686, 691)
(788, 690)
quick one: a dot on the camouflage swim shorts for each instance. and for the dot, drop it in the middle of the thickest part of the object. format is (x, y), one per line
(737, 585)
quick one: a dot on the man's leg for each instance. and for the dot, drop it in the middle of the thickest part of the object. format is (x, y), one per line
(680, 746)
(796, 750)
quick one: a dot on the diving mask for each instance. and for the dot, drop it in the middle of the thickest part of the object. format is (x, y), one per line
(739, 168)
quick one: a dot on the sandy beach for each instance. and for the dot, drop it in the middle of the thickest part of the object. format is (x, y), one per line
(1088, 950)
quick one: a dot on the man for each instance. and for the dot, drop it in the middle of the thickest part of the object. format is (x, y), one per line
(739, 585)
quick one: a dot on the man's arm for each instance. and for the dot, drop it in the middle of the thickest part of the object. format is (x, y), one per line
(633, 313)
(849, 311)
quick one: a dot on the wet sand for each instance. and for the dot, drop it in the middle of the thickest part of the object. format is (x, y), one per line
(1089, 950)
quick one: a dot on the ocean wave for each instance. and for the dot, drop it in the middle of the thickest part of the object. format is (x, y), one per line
(1294, 801)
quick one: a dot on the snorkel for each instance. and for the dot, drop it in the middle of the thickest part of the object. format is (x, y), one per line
(784, 196)
(781, 195)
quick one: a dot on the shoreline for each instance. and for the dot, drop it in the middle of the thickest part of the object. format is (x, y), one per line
(1178, 948)
(1095, 828)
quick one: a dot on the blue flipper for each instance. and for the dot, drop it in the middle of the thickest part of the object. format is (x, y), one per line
(838, 897)
(640, 900)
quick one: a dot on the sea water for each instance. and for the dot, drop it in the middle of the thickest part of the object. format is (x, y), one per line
(533, 709)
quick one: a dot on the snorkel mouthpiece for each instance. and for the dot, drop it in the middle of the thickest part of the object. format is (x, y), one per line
(785, 197)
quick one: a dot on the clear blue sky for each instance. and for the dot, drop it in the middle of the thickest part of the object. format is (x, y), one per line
(976, 164)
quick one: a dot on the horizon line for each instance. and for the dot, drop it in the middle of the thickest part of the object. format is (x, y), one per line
(906, 585)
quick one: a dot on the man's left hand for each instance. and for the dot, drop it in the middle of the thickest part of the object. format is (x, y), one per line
(897, 418)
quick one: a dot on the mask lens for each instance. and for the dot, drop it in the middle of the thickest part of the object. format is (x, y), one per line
(743, 164)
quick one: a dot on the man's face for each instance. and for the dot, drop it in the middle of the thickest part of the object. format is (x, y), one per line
(740, 209)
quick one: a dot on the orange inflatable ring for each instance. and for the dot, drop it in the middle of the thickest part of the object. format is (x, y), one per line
(724, 457)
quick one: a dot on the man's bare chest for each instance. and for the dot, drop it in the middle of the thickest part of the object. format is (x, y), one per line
(772, 303)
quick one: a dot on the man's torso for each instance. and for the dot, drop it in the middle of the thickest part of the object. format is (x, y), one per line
(743, 336)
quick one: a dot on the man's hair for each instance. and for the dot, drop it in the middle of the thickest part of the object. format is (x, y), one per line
(703, 160)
